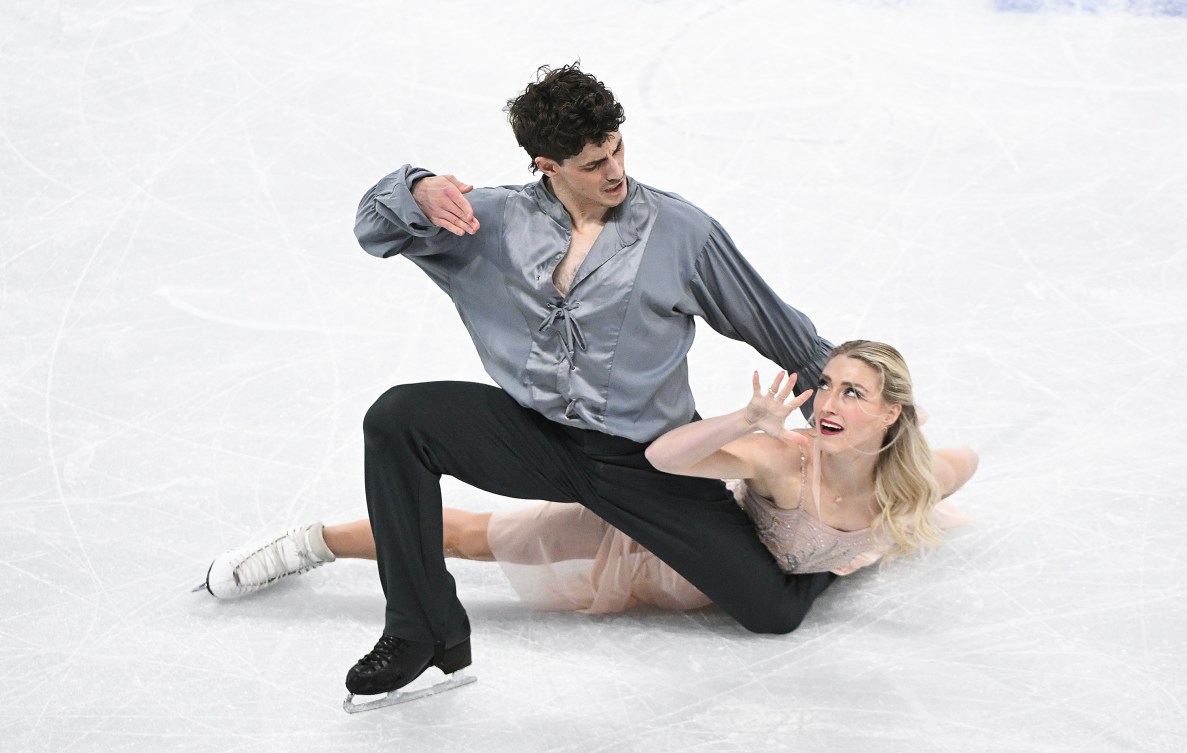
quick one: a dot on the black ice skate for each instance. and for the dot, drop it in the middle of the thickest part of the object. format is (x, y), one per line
(396, 662)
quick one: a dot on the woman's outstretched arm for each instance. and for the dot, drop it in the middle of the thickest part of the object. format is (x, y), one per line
(722, 446)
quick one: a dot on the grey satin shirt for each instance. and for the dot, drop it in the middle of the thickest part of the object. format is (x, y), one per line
(610, 356)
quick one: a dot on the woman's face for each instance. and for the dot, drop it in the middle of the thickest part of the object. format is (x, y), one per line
(850, 411)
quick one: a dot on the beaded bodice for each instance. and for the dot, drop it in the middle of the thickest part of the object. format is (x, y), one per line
(800, 542)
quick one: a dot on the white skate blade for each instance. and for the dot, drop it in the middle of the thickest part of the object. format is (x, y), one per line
(456, 680)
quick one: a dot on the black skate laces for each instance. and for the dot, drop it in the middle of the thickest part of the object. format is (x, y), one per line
(385, 650)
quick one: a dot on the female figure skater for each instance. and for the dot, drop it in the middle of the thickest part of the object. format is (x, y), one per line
(862, 485)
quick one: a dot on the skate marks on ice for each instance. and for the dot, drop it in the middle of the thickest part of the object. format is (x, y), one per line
(998, 193)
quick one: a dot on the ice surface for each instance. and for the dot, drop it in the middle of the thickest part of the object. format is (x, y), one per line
(189, 336)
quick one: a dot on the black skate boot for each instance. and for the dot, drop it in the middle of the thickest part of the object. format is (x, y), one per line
(395, 662)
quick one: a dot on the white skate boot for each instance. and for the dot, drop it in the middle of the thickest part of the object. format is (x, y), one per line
(244, 571)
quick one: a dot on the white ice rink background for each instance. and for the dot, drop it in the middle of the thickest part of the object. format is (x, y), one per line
(189, 336)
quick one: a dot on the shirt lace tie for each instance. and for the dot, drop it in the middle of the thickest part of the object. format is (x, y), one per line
(560, 318)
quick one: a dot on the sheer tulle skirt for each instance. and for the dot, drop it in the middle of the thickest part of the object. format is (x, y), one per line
(562, 557)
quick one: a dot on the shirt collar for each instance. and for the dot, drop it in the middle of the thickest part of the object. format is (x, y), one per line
(627, 219)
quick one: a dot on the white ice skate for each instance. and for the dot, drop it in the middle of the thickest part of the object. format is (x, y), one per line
(244, 571)
(451, 682)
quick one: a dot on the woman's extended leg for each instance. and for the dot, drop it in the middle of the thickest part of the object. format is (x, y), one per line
(351, 540)
(465, 536)
(252, 568)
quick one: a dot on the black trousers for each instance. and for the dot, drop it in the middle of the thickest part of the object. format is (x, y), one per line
(416, 433)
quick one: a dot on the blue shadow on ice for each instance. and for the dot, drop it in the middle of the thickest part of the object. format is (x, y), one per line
(1136, 7)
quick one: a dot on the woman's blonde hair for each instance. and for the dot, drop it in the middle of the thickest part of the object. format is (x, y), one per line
(904, 479)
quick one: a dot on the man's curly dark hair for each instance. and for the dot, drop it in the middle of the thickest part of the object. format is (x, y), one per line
(562, 112)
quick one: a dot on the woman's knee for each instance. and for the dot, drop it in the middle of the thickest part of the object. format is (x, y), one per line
(465, 534)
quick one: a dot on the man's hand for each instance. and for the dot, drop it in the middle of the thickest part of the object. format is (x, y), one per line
(440, 198)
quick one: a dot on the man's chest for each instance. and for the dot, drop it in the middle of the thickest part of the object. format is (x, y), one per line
(565, 273)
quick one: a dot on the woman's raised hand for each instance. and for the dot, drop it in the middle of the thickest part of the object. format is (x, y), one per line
(768, 411)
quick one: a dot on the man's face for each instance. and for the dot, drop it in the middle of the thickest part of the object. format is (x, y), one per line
(595, 177)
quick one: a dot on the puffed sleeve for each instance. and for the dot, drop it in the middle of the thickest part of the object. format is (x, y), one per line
(735, 301)
(388, 221)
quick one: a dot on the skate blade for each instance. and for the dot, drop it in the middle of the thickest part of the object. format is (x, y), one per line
(197, 588)
(454, 681)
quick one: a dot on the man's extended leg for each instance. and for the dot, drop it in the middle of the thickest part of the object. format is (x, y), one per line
(694, 525)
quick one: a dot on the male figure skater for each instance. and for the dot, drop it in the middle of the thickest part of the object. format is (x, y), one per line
(579, 292)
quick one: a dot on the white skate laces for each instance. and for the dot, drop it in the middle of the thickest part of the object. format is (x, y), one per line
(244, 571)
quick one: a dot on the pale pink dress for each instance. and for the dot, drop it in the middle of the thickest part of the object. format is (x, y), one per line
(562, 557)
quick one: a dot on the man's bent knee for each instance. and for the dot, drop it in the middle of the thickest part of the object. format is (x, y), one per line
(396, 409)
(783, 615)
(776, 622)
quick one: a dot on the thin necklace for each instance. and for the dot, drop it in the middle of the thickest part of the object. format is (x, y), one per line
(816, 481)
